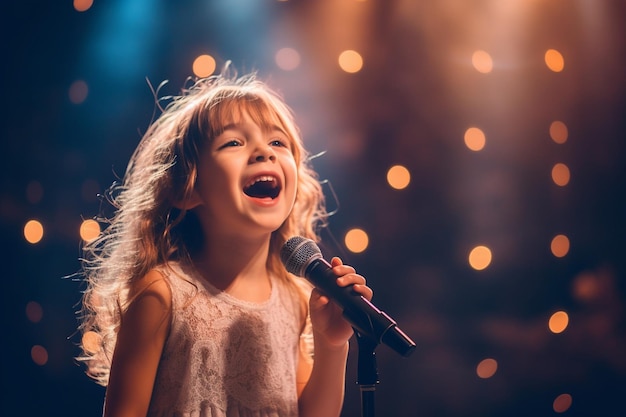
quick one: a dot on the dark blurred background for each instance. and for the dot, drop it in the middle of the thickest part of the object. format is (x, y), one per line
(76, 98)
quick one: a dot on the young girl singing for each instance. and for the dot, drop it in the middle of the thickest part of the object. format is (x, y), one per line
(191, 308)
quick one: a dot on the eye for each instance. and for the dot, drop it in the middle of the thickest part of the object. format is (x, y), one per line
(229, 143)
(278, 142)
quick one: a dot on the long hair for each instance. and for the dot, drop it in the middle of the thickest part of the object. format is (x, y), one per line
(148, 230)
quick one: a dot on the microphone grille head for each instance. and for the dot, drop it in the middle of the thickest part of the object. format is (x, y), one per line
(297, 253)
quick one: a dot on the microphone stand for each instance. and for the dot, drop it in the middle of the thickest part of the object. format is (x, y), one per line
(367, 373)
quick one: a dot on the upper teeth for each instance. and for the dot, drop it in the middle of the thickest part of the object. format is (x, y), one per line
(260, 179)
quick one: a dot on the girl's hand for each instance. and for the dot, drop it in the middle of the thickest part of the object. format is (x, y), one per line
(326, 316)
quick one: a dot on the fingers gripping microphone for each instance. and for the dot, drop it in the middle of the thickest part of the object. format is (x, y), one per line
(302, 257)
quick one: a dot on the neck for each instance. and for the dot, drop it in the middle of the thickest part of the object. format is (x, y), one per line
(229, 260)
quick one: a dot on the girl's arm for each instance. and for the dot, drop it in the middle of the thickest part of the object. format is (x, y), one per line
(140, 340)
(324, 392)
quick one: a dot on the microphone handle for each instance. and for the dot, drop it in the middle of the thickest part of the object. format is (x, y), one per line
(368, 320)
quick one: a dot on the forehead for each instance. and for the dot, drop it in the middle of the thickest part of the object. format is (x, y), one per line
(233, 111)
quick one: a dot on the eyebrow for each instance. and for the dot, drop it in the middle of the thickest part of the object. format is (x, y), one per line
(271, 128)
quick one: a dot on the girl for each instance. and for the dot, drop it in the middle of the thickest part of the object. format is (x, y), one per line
(192, 312)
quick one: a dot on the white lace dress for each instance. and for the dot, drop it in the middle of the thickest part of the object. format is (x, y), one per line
(225, 357)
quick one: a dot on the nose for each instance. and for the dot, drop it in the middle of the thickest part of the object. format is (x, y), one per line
(263, 153)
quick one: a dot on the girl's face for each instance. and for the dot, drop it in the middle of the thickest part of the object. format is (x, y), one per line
(247, 179)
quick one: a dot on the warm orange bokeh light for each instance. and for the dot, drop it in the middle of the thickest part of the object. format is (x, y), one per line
(398, 177)
(91, 342)
(39, 355)
(482, 62)
(356, 240)
(560, 174)
(204, 66)
(559, 246)
(82, 5)
(586, 287)
(480, 258)
(554, 60)
(89, 230)
(487, 368)
(350, 61)
(562, 403)
(474, 139)
(558, 132)
(33, 231)
(558, 322)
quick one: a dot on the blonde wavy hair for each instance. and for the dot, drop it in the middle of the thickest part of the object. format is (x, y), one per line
(148, 230)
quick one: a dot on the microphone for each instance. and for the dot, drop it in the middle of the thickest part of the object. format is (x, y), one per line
(303, 258)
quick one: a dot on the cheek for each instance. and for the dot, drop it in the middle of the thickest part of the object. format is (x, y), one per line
(212, 185)
(293, 191)
(291, 173)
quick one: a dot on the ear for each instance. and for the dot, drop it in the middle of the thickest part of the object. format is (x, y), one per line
(188, 203)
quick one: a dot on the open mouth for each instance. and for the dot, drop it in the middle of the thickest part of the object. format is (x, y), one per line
(265, 186)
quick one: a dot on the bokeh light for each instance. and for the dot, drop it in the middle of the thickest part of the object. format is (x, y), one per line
(558, 322)
(89, 230)
(33, 231)
(560, 174)
(78, 92)
(203, 66)
(287, 59)
(559, 246)
(486, 368)
(39, 355)
(356, 240)
(562, 403)
(398, 177)
(34, 311)
(554, 60)
(82, 5)
(91, 342)
(474, 139)
(350, 61)
(480, 257)
(558, 132)
(586, 287)
(482, 62)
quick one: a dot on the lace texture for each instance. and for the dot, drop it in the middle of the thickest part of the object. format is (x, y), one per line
(225, 357)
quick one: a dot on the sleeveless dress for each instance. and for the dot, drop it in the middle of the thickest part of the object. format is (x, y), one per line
(225, 357)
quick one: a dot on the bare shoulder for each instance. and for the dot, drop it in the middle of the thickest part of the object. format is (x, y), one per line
(152, 286)
(140, 341)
